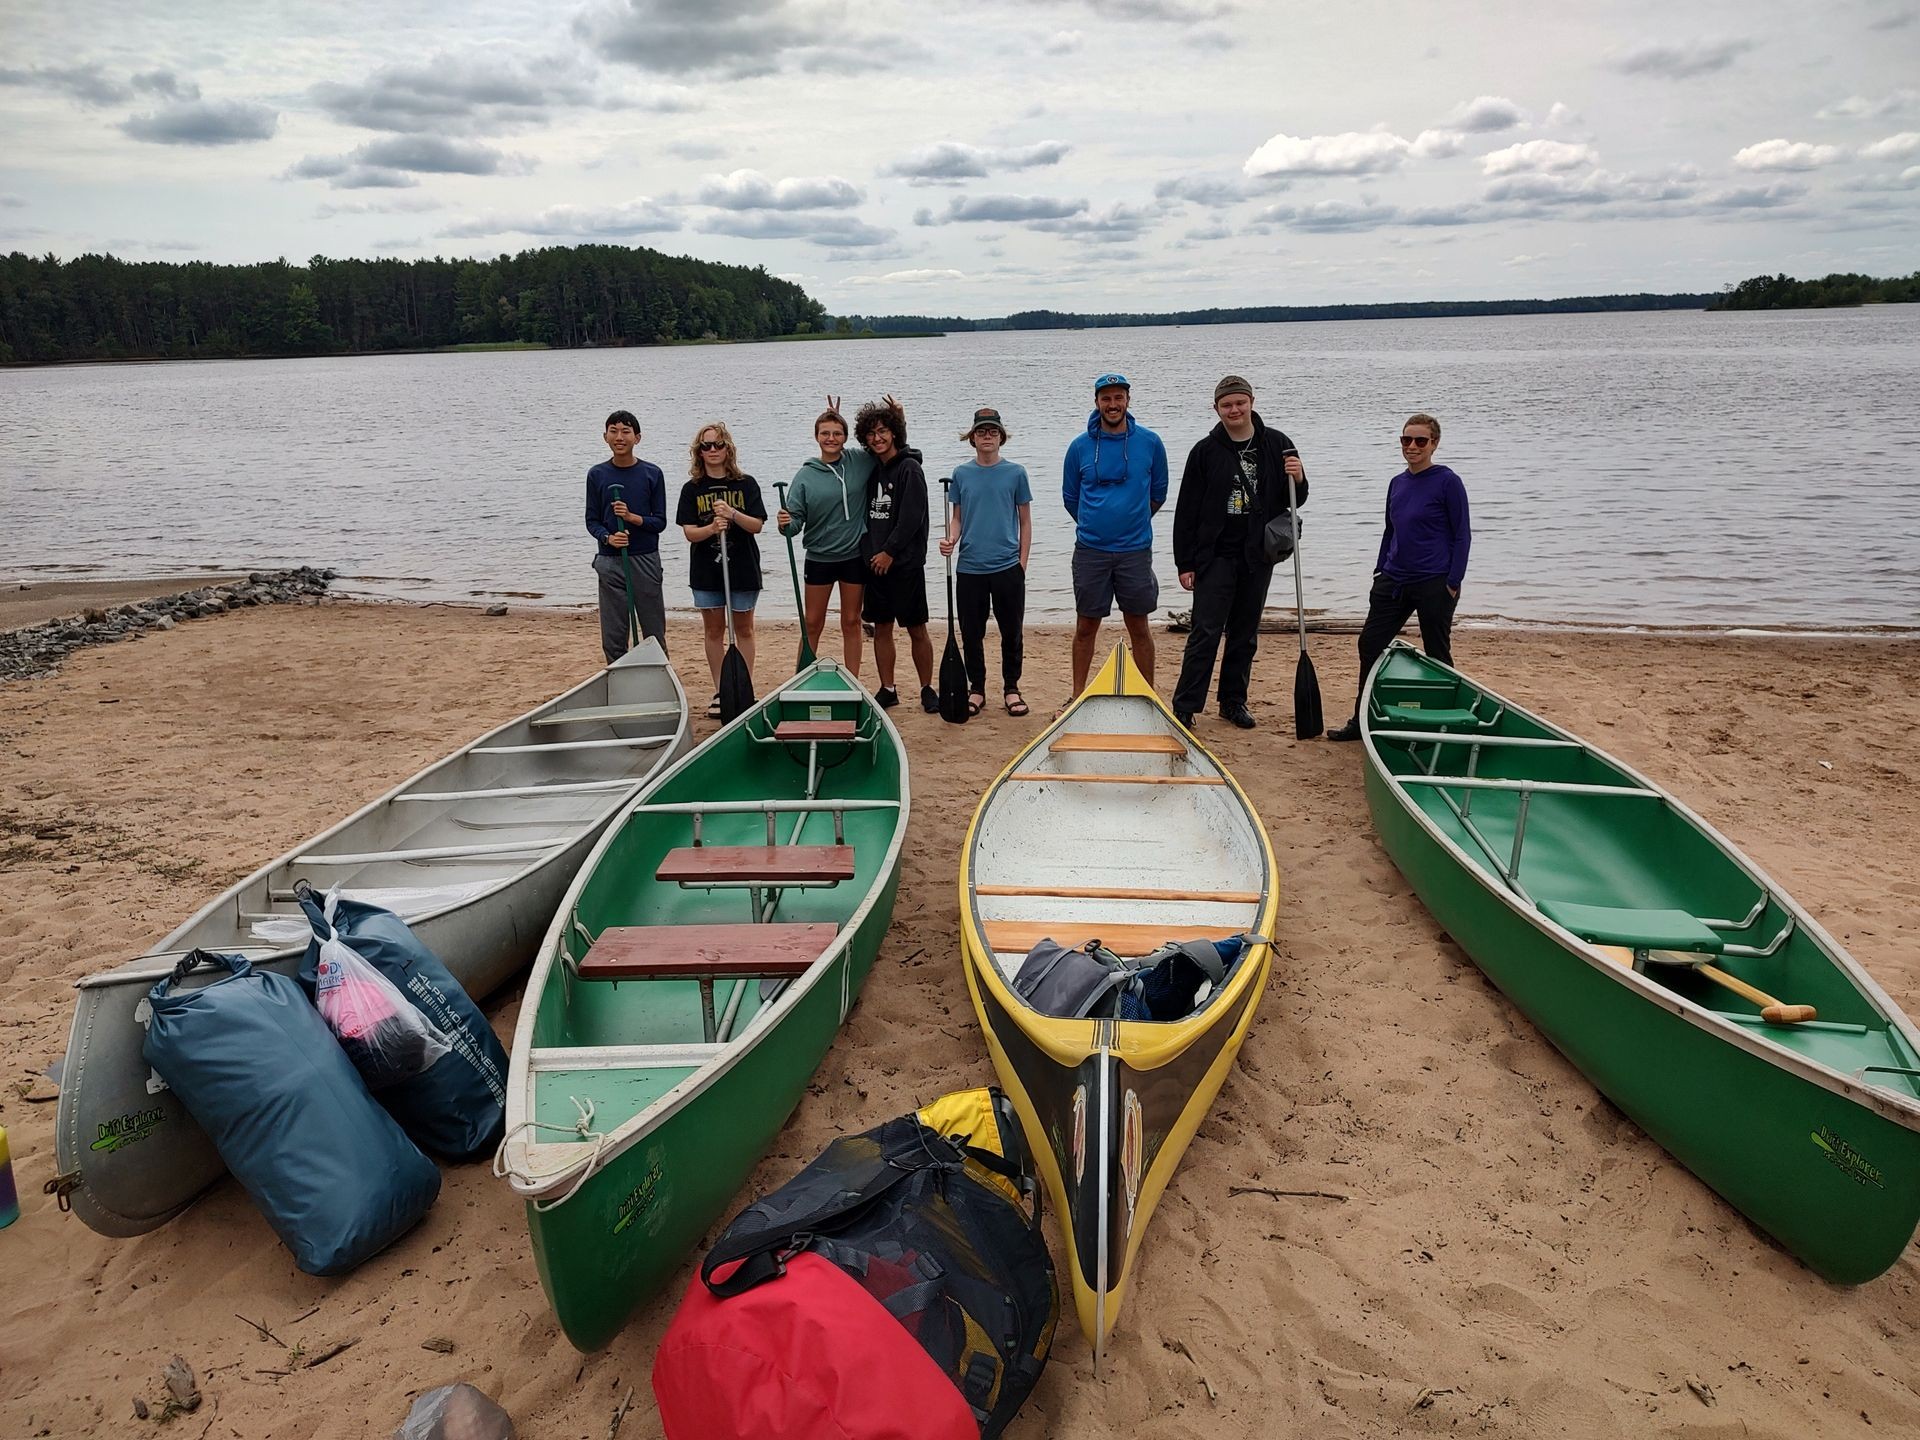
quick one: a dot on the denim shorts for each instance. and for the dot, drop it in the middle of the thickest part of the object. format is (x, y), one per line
(743, 600)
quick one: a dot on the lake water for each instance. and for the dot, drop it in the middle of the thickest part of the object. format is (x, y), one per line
(1653, 469)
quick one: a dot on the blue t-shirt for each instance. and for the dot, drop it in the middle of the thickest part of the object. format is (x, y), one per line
(987, 497)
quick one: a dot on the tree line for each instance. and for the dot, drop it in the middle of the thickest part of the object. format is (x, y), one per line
(1778, 292)
(1266, 314)
(98, 307)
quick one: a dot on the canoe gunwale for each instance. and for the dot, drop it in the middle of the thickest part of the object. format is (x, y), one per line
(515, 1154)
(1901, 1110)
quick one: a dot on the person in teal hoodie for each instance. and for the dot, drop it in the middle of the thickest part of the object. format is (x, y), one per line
(1113, 482)
(826, 506)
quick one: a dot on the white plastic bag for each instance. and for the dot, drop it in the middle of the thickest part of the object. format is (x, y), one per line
(385, 1037)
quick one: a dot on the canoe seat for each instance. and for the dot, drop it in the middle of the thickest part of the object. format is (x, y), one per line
(1017, 937)
(1089, 742)
(706, 953)
(798, 865)
(801, 731)
(1422, 715)
(1635, 929)
(600, 714)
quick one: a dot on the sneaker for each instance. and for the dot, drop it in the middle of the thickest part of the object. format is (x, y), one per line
(1238, 715)
(1185, 717)
(1348, 731)
(887, 697)
(929, 699)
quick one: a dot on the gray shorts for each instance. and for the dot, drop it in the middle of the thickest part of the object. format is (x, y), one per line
(1102, 576)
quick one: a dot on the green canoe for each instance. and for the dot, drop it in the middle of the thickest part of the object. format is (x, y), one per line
(694, 976)
(1659, 959)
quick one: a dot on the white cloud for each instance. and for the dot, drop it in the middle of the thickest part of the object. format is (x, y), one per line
(1683, 60)
(949, 162)
(973, 209)
(736, 38)
(1063, 42)
(1859, 107)
(907, 277)
(1538, 157)
(1486, 114)
(1562, 117)
(640, 216)
(750, 190)
(1787, 155)
(844, 231)
(1353, 153)
(1894, 147)
(204, 122)
(1438, 144)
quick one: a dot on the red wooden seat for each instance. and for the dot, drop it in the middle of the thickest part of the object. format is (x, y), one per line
(777, 951)
(757, 865)
(804, 730)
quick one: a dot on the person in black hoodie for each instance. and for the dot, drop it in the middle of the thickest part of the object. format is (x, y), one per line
(896, 550)
(1234, 484)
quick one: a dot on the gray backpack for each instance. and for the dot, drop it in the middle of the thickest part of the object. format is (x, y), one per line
(1093, 982)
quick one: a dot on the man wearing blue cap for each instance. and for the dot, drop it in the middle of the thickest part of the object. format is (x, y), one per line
(1113, 482)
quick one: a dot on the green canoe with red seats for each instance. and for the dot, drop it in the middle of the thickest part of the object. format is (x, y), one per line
(1688, 986)
(694, 977)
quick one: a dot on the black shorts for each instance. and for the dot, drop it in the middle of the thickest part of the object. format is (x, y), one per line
(850, 571)
(900, 595)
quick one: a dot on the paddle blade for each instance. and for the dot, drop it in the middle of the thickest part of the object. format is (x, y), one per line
(1307, 720)
(736, 686)
(807, 657)
(953, 683)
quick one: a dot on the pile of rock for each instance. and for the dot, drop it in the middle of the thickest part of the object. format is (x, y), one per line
(39, 649)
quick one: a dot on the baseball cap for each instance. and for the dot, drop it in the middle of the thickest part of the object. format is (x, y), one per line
(1112, 377)
(985, 415)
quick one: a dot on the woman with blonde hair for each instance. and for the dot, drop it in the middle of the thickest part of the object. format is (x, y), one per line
(719, 505)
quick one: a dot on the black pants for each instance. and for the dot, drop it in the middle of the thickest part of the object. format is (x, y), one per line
(1228, 597)
(1004, 595)
(1389, 604)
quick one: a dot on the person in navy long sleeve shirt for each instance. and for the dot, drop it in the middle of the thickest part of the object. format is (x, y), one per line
(626, 511)
(1422, 561)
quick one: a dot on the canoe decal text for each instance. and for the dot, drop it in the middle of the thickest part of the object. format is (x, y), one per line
(642, 1198)
(129, 1129)
(1850, 1161)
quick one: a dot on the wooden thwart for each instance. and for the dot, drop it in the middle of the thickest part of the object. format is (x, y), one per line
(779, 951)
(1120, 892)
(1117, 779)
(1089, 742)
(801, 731)
(757, 865)
(600, 714)
(1016, 937)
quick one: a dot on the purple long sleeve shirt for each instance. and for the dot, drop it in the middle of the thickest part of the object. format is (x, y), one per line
(1428, 533)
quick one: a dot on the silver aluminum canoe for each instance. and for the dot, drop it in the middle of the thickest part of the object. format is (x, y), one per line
(474, 852)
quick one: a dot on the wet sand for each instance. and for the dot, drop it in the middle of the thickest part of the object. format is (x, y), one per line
(1498, 1252)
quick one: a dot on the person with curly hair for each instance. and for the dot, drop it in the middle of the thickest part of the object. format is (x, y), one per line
(896, 550)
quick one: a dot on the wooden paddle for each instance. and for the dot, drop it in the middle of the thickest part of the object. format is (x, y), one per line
(736, 682)
(626, 574)
(1307, 718)
(1772, 1010)
(807, 656)
(953, 670)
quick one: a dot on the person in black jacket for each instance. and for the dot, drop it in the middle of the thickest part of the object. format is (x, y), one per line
(896, 550)
(1234, 484)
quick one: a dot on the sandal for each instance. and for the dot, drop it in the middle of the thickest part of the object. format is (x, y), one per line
(713, 708)
(975, 704)
(1016, 704)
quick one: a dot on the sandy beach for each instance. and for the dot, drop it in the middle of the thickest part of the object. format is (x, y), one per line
(1496, 1251)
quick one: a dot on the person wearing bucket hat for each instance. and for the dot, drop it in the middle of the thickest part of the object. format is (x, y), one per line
(1234, 484)
(990, 523)
(1113, 482)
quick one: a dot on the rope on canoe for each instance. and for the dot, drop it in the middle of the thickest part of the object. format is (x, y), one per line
(581, 1129)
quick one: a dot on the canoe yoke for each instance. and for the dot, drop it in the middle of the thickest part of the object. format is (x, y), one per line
(706, 953)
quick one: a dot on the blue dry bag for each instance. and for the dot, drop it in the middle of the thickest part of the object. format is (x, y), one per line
(457, 1107)
(256, 1066)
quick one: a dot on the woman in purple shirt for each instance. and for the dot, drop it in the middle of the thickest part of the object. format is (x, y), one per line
(1423, 557)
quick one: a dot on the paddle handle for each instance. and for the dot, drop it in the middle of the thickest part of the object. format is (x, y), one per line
(1293, 523)
(1774, 1012)
(807, 656)
(626, 574)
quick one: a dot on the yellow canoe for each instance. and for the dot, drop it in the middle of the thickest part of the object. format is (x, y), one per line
(1116, 824)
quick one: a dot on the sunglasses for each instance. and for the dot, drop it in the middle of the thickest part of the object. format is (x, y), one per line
(713, 444)
(1419, 442)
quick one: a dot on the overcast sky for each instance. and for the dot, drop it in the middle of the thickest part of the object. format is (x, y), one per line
(983, 157)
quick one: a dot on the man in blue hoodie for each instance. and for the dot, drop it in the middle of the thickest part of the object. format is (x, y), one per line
(1113, 481)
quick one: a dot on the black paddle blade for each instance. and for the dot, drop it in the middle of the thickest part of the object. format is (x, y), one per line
(1307, 720)
(953, 684)
(736, 686)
